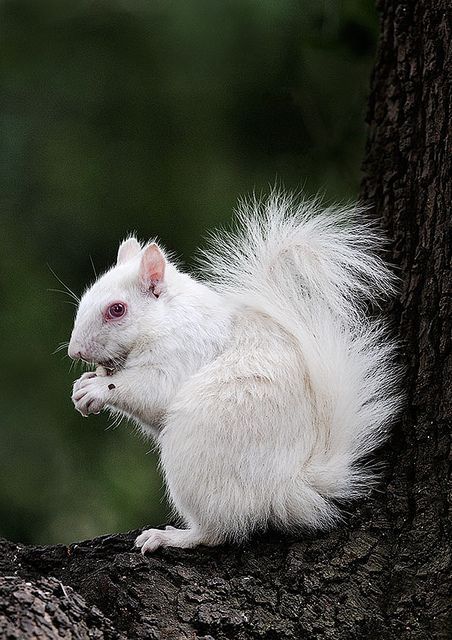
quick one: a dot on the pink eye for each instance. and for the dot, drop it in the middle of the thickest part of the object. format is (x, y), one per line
(115, 311)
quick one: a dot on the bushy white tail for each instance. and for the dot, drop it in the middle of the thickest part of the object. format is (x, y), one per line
(315, 272)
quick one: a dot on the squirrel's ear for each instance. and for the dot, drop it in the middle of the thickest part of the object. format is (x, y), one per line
(152, 269)
(128, 249)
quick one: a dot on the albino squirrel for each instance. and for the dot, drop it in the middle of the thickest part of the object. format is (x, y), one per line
(265, 385)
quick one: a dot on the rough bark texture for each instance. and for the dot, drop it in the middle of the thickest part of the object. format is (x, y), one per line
(408, 169)
(384, 573)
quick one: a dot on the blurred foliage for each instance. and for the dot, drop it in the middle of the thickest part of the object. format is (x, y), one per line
(151, 116)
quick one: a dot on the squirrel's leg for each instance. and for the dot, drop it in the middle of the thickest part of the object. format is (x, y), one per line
(152, 539)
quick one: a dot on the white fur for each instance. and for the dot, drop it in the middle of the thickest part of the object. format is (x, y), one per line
(266, 387)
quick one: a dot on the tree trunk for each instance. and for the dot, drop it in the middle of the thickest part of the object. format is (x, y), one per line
(384, 572)
(408, 177)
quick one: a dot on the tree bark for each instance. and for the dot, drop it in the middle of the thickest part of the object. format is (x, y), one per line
(408, 179)
(384, 572)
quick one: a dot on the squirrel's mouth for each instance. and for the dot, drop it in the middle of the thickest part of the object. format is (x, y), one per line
(109, 366)
(112, 366)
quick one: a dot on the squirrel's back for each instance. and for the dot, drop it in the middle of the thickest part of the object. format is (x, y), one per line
(314, 273)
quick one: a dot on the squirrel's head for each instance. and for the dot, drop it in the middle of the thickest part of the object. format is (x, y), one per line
(111, 313)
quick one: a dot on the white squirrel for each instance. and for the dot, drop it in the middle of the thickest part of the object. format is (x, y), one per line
(266, 386)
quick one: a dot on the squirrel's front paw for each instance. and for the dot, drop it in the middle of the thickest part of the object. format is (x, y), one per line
(90, 393)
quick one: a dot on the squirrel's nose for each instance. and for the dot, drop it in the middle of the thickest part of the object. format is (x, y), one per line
(79, 355)
(75, 353)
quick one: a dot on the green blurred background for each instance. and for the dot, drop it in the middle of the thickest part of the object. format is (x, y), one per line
(146, 116)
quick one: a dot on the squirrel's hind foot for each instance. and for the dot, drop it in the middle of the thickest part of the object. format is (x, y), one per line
(152, 539)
